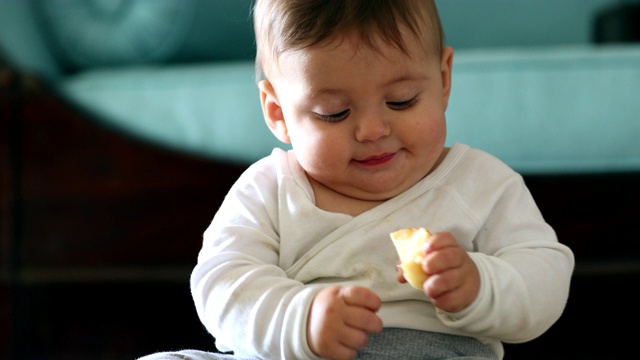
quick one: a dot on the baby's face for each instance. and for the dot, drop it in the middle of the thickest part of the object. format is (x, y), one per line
(366, 124)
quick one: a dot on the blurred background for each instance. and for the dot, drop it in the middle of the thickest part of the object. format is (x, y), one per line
(124, 122)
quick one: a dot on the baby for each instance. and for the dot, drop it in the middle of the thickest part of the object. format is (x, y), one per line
(298, 263)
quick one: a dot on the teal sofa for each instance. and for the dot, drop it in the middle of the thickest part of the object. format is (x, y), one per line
(123, 123)
(529, 86)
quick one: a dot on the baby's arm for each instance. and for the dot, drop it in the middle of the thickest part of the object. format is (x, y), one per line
(248, 303)
(524, 271)
(510, 282)
(242, 295)
(341, 319)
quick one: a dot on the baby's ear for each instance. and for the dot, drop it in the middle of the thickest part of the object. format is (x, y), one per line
(272, 111)
(446, 64)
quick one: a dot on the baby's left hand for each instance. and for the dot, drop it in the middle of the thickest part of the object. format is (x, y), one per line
(454, 280)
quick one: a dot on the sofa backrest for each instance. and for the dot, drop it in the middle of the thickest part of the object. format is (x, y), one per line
(520, 23)
(57, 37)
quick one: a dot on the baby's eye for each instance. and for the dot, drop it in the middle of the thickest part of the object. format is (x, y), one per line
(333, 117)
(401, 105)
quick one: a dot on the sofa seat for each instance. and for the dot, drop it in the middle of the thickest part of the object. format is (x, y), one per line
(210, 109)
(542, 110)
(550, 110)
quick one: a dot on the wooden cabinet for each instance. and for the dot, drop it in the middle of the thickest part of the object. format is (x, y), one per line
(6, 205)
(98, 233)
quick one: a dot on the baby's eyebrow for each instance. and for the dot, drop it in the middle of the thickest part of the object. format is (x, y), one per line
(405, 78)
(399, 79)
(325, 91)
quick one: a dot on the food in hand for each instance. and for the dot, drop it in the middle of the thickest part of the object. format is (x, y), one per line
(410, 245)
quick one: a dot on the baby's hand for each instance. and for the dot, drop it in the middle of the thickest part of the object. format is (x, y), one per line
(454, 280)
(341, 319)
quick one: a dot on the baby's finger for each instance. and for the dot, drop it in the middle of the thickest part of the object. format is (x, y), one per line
(363, 320)
(400, 274)
(440, 241)
(361, 296)
(447, 293)
(341, 351)
(444, 259)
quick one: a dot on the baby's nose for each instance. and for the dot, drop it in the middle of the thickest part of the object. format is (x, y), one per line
(371, 127)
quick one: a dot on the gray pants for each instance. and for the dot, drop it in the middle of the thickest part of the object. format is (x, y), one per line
(390, 344)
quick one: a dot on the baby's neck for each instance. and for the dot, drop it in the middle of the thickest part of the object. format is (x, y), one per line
(330, 200)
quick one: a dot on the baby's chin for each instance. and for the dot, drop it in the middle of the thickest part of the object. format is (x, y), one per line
(376, 193)
(375, 188)
(385, 190)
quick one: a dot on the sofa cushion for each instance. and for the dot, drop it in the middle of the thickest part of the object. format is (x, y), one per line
(85, 34)
(543, 111)
(208, 109)
(550, 110)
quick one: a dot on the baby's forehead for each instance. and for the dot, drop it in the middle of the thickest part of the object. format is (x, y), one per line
(348, 64)
(339, 51)
(412, 43)
(374, 44)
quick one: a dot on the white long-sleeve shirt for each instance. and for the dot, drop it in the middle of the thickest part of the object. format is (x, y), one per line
(269, 250)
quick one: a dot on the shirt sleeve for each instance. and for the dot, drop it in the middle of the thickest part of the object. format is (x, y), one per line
(243, 298)
(525, 272)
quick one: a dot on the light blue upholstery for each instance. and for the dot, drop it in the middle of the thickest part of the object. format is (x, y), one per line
(550, 110)
(56, 37)
(21, 41)
(209, 109)
(528, 87)
(488, 24)
(547, 110)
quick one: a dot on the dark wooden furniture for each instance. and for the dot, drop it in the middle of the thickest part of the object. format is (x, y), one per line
(597, 216)
(99, 231)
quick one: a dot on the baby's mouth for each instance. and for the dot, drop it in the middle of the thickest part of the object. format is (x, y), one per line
(377, 159)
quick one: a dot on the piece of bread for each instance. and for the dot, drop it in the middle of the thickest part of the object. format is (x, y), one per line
(410, 245)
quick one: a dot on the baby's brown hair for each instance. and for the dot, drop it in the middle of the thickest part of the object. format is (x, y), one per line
(284, 25)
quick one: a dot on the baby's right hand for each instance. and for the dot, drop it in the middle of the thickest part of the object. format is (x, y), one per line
(341, 319)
